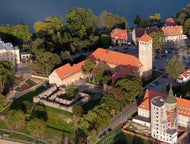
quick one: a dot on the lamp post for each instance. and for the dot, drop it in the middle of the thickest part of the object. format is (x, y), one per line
(121, 118)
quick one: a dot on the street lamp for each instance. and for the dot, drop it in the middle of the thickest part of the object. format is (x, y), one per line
(121, 118)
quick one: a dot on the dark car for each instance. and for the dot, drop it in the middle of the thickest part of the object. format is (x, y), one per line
(109, 129)
(104, 133)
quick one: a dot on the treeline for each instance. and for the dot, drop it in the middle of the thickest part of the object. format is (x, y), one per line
(54, 42)
(6, 76)
(183, 17)
(90, 123)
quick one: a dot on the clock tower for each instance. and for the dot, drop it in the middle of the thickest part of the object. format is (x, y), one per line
(145, 56)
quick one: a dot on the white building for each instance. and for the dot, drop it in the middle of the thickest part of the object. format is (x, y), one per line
(164, 119)
(163, 114)
(184, 77)
(9, 53)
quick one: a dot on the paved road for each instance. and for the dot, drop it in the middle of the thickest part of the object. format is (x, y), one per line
(121, 117)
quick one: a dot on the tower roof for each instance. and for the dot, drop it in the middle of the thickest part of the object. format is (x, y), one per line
(171, 99)
(145, 38)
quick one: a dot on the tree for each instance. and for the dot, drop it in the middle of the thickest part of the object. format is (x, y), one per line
(105, 40)
(186, 26)
(27, 107)
(81, 25)
(88, 67)
(36, 126)
(117, 93)
(6, 74)
(181, 18)
(45, 61)
(110, 21)
(49, 26)
(77, 111)
(21, 32)
(132, 87)
(155, 18)
(137, 20)
(15, 119)
(92, 137)
(158, 40)
(3, 102)
(110, 104)
(174, 67)
(65, 55)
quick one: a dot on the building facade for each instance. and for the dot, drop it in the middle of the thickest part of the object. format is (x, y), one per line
(164, 118)
(119, 37)
(9, 53)
(184, 77)
(163, 114)
(118, 63)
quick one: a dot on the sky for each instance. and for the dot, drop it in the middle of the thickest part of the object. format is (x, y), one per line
(30, 11)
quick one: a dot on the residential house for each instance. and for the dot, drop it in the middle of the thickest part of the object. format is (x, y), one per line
(119, 37)
(184, 77)
(9, 53)
(173, 33)
(139, 32)
(163, 114)
(170, 22)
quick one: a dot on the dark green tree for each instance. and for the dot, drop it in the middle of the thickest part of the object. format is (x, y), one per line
(174, 67)
(137, 20)
(187, 26)
(88, 67)
(105, 40)
(158, 41)
(131, 86)
(3, 102)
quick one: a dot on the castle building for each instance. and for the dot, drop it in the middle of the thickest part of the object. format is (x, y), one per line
(145, 56)
(9, 53)
(119, 64)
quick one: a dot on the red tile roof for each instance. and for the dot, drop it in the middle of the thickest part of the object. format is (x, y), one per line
(67, 70)
(123, 73)
(115, 58)
(182, 104)
(128, 63)
(171, 22)
(145, 38)
(172, 30)
(186, 73)
(119, 34)
(140, 31)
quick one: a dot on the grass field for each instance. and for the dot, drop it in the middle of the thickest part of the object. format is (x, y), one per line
(59, 123)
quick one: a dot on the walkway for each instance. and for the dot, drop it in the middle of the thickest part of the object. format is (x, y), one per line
(15, 94)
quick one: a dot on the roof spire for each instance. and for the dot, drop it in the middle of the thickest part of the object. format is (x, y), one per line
(171, 98)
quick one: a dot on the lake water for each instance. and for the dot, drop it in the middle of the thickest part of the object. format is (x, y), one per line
(30, 11)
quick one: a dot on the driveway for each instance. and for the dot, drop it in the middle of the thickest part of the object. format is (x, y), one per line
(83, 85)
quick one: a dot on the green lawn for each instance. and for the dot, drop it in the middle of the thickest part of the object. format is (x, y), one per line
(27, 97)
(59, 123)
(72, 90)
(30, 84)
